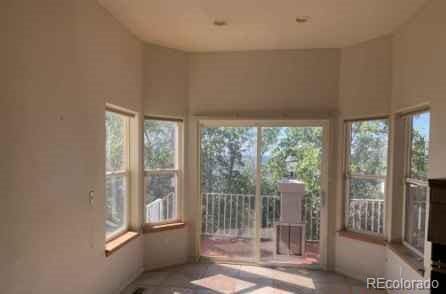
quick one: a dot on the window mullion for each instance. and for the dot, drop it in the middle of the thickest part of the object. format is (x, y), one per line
(161, 172)
(117, 173)
(367, 177)
(416, 182)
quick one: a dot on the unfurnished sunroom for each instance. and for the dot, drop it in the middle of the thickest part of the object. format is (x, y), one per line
(222, 147)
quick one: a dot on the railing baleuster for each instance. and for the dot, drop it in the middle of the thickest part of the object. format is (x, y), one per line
(233, 215)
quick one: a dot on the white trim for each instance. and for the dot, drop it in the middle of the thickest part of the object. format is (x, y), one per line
(177, 171)
(178, 119)
(406, 111)
(120, 110)
(417, 182)
(367, 177)
(325, 196)
(407, 116)
(161, 172)
(358, 118)
(258, 197)
(348, 175)
(198, 219)
(128, 117)
(118, 173)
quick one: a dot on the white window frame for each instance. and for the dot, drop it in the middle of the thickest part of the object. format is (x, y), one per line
(408, 180)
(348, 175)
(126, 172)
(177, 171)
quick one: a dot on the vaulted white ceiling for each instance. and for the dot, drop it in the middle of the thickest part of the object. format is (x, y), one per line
(260, 24)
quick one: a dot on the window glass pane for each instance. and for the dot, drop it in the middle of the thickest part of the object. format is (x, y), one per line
(228, 187)
(159, 144)
(366, 182)
(366, 205)
(419, 148)
(116, 162)
(368, 147)
(160, 197)
(115, 146)
(115, 204)
(415, 216)
(228, 160)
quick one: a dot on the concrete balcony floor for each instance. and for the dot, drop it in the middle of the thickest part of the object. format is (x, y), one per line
(242, 249)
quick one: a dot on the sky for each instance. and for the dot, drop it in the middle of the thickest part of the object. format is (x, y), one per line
(421, 123)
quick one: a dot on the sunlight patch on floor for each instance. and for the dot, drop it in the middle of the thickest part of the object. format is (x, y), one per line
(223, 284)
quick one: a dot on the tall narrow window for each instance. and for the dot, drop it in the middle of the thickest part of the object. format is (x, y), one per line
(365, 175)
(417, 148)
(117, 173)
(162, 157)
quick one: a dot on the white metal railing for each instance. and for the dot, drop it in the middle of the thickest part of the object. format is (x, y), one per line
(415, 223)
(366, 215)
(233, 215)
(161, 209)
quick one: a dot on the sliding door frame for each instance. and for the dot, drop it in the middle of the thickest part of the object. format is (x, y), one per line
(259, 124)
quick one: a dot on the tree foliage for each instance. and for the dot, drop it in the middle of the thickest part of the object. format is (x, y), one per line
(228, 164)
(159, 154)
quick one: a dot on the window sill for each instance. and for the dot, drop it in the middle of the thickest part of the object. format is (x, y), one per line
(408, 257)
(363, 237)
(148, 229)
(115, 244)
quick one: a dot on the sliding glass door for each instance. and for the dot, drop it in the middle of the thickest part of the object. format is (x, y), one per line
(245, 211)
(228, 189)
(291, 154)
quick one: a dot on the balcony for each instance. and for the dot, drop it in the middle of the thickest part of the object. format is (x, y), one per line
(366, 215)
(161, 209)
(228, 226)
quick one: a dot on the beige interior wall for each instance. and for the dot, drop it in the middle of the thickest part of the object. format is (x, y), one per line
(165, 81)
(365, 90)
(64, 60)
(419, 68)
(166, 95)
(365, 82)
(280, 82)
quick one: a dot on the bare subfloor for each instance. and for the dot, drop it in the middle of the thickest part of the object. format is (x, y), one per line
(230, 278)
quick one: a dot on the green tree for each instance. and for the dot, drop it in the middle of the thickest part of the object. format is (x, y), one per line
(160, 153)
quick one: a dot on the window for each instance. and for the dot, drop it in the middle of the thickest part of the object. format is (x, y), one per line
(365, 175)
(416, 187)
(162, 157)
(117, 173)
